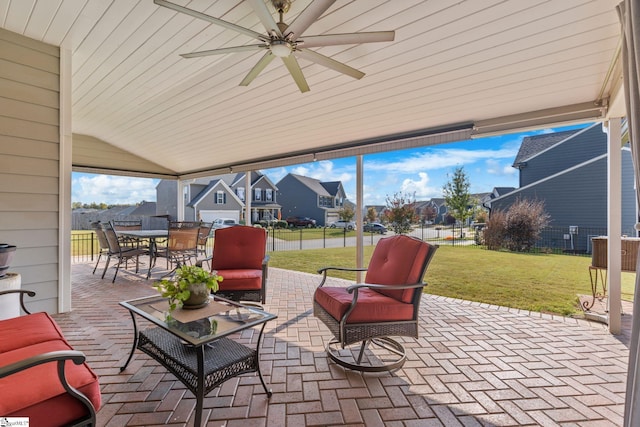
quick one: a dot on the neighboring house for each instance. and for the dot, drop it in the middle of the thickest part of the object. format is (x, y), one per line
(222, 196)
(440, 207)
(303, 196)
(568, 172)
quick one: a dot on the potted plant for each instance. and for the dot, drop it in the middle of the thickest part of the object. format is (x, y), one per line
(189, 288)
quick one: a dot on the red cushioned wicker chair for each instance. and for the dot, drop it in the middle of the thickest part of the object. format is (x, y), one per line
(239, 256)
(385, 305)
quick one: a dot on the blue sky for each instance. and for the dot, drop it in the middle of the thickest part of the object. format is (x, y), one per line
(424, 171)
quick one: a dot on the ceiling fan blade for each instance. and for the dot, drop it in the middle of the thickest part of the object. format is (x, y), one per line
(307, 17)
(329, 63)
(257, 69)
(349, 38)
(296, 72)
(211, 19)
(260, 8)
(224, 50)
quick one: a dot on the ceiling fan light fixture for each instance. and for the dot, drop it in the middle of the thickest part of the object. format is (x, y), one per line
(280, 48)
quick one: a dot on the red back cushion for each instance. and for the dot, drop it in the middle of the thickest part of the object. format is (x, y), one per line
(239, 247)
(398, 260)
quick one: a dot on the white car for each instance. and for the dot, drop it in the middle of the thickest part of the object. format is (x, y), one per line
(349, 225)
(224, 222)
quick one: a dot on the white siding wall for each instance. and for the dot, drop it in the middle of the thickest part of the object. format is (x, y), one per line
(29, 162)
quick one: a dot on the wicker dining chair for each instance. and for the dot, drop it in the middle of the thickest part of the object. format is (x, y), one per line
(363, 317)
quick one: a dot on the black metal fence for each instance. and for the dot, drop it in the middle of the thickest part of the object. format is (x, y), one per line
(553, 239)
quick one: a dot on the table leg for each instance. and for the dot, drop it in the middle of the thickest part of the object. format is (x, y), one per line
(135, 341)
(264, 385)
(200, 387)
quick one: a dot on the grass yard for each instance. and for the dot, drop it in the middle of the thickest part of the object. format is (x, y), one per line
(546, 283)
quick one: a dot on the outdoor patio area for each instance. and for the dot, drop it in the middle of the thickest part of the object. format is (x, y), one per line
(473, 365)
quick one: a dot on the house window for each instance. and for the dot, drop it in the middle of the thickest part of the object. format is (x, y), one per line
(220, 197)
(257, 194)
(268, 195)
(240, 193)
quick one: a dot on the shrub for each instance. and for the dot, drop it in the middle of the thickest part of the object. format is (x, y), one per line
(525, 220)
(494, 231)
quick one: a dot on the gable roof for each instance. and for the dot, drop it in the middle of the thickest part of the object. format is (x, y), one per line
(535, 144)
(312, 183)
(332, 187)
(213, 184)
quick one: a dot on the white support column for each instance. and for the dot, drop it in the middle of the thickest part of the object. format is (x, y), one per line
(181, 200)
(614, 204)
(64, 184)
(247, 198)
(359, 232)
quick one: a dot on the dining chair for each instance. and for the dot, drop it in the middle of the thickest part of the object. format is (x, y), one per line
(204, 232)
(127, 225)
(363, 317)
(119, 251)
(103, 244)
(181, 245)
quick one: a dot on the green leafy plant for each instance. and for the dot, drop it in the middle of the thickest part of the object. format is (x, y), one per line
(176, 289)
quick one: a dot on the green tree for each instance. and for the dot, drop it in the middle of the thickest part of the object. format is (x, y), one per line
(457, 197)
(371, 214)
(400, 212)
(346, 213)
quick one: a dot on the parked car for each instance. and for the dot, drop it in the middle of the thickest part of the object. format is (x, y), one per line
(224, 223)
(349, 225)
(374, 227)
(301, 221)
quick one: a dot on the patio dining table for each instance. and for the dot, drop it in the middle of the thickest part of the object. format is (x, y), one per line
(152, 236)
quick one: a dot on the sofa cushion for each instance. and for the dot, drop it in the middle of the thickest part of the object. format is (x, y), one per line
(37, 392)
(23, 331)
(240, 279)
(372, 306)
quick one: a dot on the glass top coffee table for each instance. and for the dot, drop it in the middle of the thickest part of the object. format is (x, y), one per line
(194, 345)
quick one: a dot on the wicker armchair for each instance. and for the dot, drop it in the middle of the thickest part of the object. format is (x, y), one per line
(239, 256)
(385, 305)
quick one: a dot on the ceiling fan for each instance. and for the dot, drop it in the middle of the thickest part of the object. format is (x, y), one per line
(285, 40)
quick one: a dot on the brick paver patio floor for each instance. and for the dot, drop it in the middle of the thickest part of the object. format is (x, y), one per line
(473, 365)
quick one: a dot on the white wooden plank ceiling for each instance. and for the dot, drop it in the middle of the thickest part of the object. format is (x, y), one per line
(451, 62)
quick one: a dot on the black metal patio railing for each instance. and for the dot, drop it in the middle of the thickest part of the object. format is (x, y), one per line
(553, 239)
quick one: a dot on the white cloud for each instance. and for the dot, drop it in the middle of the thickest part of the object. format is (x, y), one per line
(419, 187)
(324, 171)
(112, 189)
(441, 159)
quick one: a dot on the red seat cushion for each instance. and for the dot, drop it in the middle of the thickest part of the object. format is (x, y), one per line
(23, 331)
(243, 279)
(37, 393)
(397, 260)
(372, 306)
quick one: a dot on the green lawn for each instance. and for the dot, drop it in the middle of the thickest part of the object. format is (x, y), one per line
(546, 283)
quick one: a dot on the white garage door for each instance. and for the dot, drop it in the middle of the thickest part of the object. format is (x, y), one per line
(210, 216)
